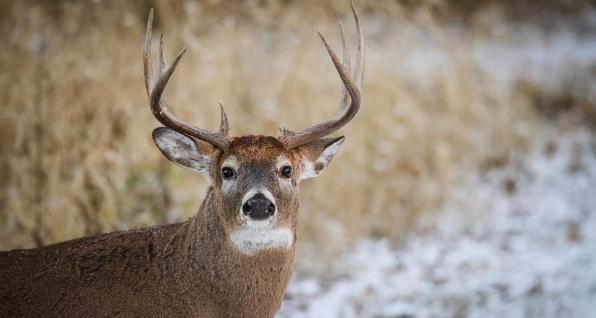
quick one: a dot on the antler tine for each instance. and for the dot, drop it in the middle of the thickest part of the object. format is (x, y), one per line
(147, 55)
(345, 97)
(351, 86)
(159, 107)
(223, 124)
(162, 56)
(361, 51)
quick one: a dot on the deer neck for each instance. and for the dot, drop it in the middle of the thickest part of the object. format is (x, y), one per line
(249, 283)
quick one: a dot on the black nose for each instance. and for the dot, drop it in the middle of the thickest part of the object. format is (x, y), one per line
(258, 207)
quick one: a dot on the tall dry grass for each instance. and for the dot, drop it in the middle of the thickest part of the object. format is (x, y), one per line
(76, 152)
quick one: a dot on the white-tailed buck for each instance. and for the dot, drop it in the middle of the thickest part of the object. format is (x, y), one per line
(233, 259)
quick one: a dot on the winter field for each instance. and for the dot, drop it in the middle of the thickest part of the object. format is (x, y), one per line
(517, 240)
(531, 253)
(466, 186)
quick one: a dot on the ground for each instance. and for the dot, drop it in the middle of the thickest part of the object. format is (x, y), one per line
(530, 252)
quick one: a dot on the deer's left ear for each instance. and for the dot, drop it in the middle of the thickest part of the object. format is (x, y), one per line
(316, 155)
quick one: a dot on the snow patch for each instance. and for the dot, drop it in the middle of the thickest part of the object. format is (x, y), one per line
(531, 253)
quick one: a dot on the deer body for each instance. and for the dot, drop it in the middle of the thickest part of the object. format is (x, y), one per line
(139, 273)
(233, 259)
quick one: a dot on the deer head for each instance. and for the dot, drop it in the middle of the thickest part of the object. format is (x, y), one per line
(255, 179)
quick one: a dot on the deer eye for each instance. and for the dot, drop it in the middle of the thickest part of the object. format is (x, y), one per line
(227, 173)
(286, 171)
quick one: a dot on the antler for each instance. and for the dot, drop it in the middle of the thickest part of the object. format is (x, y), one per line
(351, 91)
(159, 108)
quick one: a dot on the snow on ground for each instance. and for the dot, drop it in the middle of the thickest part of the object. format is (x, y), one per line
(530, 253)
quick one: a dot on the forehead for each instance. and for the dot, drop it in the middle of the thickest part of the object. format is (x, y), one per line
(260, 148)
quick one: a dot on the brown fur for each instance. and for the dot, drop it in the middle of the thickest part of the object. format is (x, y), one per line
(189, 269)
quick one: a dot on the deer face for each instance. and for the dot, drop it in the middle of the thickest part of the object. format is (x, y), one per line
(254, 178)
(255, 182)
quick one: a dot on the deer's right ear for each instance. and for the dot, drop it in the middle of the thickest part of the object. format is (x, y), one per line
(184, 151)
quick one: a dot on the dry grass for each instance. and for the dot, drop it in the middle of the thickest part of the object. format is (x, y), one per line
(76, 152)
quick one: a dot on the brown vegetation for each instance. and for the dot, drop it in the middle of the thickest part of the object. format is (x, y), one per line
(75, 129)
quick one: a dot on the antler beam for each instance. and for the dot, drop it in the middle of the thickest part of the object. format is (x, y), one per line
(156, 85)
(351, 92)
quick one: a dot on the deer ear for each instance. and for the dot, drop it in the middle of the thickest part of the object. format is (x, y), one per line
(184, 151)
(315, 156)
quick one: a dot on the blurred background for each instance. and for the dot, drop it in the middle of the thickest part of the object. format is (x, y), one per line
(466, 187)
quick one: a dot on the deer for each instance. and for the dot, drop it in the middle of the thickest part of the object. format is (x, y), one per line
(234, 258)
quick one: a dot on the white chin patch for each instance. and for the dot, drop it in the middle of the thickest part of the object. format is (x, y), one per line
(252, 238)
(257, 235)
